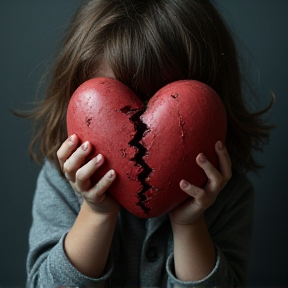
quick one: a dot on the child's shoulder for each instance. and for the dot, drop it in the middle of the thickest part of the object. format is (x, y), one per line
(240, 183)
(238, 192)
(233, 206)
(51, 184)
(50, 175)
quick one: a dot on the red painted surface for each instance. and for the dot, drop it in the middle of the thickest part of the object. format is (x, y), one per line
(182, 119)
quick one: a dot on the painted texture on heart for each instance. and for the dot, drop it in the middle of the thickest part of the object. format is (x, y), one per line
(151, 155)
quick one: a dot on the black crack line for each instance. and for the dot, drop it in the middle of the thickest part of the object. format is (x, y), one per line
(140, 128)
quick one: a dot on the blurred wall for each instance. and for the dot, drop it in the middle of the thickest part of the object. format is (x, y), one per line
(30, 31)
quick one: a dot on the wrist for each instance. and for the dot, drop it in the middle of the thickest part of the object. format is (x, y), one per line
(88, 242)
(195, 225)
(101, 217)
(193, 250)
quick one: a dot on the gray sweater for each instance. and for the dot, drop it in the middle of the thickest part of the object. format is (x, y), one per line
(141, 254)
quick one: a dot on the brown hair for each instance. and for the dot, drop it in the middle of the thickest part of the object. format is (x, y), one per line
(147, 44)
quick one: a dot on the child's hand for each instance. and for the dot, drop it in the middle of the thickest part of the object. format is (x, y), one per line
(72, 161)
(191, 209)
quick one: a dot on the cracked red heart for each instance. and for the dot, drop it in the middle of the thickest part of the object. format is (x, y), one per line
(151, 149)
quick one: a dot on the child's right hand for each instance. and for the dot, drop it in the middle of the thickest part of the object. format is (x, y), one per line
(78, 173)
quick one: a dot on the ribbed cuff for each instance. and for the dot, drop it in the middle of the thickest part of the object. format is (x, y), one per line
(64, 273)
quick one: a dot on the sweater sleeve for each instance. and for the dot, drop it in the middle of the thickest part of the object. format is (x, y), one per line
(230, 222)
(55, 208)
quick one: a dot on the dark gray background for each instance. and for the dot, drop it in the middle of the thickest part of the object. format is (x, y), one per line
(30, 31)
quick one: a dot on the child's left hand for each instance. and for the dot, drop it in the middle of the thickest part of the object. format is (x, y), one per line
(187, 212)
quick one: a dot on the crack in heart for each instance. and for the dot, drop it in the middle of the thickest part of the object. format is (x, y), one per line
(141, 129)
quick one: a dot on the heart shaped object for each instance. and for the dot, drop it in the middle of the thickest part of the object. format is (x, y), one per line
(150, 149)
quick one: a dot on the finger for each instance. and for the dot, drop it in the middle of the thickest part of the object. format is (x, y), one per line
(192, 190)
(215, 179)
(66, 149)
(82, 177)
(199, 195)
(76, 160)
(97, 193)
(225, 164)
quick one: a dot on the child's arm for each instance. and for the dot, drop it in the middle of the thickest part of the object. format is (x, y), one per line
(194, 252)
(87, 244)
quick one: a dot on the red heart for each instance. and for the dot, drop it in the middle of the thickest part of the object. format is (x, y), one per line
(151, 152)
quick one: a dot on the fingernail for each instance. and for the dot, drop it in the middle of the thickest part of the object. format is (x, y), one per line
(220, 145)
(111, 174)
(72, 138)
(85, 146)
(98, 158)
(202, 158)
(184, 184)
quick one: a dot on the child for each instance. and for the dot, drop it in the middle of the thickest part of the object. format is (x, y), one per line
(86, 238)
